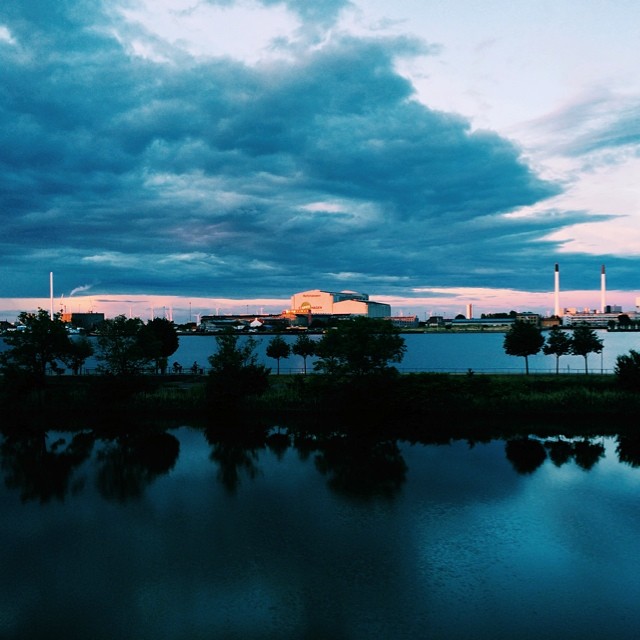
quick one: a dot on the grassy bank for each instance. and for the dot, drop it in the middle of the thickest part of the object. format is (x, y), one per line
(412, 406)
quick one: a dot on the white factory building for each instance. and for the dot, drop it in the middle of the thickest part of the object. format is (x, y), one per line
(334, 303)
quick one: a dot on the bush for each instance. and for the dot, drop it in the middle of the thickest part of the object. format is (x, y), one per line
(627, 371)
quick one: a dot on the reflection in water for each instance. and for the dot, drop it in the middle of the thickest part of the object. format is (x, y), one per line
(236, 453)
(355, 467)
(465, 548)
(560, 451)
(40, 472)
(360, 468)
(587, 453)
(628, 450)
(129, 464)
(278, 443)
(525, 454)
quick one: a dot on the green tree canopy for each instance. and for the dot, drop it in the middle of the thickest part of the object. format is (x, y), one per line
(235, 373)
(585, 341)
(627, 370)
(159, 341)
(558, 344)
(523, 339)
(304, 347)
(79, 351)
(360, 346)
(278, 348)
(42, 342)
(120, 349)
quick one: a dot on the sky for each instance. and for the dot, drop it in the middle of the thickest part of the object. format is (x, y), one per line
(217, 156)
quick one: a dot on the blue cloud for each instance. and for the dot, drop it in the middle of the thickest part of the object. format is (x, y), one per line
(268, 180)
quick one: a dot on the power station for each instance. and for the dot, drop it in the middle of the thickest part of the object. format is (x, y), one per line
(571, 316)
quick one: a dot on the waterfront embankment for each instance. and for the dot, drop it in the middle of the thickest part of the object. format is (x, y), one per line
(418, 407)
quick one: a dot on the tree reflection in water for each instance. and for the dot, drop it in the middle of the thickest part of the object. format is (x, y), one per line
(130, 463)
(278, 443)
(628, 450)
(235, 451)
(560, 451)
(43, 473)
(525, 454)
(361, 468)
(587, 454)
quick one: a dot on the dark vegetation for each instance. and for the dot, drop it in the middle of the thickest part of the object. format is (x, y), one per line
(355, 390)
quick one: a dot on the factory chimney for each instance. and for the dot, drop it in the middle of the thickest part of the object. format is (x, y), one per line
(51, 295)
(603, 290)
(556, 310)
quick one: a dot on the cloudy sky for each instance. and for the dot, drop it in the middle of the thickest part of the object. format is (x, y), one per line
(224, 154)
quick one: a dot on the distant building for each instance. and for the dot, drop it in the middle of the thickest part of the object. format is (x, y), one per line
(334, 303)
(480, 323)
(531, 318)
(404, 322)
(86, 321)
(214, 324)
(594, 319)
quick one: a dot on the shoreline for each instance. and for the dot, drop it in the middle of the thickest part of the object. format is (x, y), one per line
(414, 407)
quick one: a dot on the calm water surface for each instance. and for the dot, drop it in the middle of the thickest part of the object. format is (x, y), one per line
(452, 352)
(213, 540)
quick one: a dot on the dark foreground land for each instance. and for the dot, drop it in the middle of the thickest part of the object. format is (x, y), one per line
(417, 407)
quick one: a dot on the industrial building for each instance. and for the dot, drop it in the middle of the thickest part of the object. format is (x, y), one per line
(87, 321)
(343, 303)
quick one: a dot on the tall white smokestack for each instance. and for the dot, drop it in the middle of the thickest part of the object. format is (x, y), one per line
(556, 289)
(51, 295)
(603, 290)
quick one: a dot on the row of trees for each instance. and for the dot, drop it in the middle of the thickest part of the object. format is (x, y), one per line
(525, 339)
(360, 348)
(125, 346)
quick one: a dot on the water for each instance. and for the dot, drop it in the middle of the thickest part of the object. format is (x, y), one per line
(437, 352)
(226, 542)
(441, 352)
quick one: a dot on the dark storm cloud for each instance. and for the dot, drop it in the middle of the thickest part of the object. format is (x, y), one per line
(210, 177)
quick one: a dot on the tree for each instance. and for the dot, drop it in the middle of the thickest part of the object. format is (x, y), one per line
(159, 341)
(79, 351)
(235, 374)
(624, 320)
(627, 371)
(41, 343)
(304, 347)
(585, 341)
(523, 339)
(119, 346)
(558, 344)
(359, 347)
(277, 349)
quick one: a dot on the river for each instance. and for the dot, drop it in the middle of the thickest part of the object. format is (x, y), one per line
(435, 352)
(210, 540)
(443, 352)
